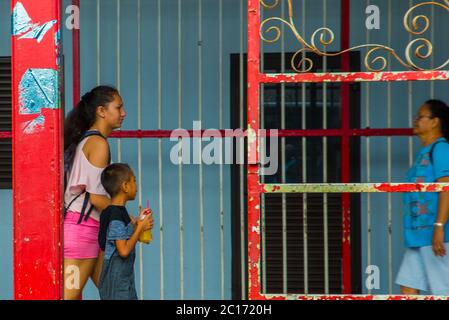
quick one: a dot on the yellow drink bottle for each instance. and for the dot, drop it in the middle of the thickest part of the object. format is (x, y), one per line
(147, 235)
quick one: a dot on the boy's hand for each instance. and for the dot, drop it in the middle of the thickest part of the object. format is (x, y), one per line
(133, 220)
(151, 223)
(146, 222)
(145, 211)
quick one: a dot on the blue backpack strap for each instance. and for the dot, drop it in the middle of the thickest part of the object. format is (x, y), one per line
(83, 209)
(432, 148)
(73, 200)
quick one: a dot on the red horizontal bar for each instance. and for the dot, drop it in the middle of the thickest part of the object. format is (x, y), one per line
(368, 132)
(5, 134)
(355, 77)
(281, 133)
(352, 297)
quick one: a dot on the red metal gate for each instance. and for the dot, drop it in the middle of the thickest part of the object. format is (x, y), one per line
(255, 188)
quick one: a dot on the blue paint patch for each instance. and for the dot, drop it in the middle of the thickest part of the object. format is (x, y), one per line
(21, 22)
(23, 26)
(58, 47)
(38, 89)
(39, 32)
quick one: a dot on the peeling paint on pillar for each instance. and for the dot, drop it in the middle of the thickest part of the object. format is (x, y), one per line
(24, 27)
(252, 146)
(38, 89)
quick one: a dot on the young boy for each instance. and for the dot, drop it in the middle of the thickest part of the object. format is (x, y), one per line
(119, 234)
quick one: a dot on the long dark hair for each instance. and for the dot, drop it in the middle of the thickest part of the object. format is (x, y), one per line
(81, 118)
(440, 110)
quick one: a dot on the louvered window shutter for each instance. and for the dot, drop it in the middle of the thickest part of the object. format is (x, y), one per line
(5, 123)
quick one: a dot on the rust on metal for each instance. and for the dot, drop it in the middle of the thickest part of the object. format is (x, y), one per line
(355, 187)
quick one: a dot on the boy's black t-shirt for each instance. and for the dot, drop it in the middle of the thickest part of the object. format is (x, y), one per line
(109, 214)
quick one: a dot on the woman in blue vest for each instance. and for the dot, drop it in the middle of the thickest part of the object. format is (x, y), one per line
(86, 154)
(425, 266)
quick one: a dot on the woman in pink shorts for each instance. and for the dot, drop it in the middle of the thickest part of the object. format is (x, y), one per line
(86, 154)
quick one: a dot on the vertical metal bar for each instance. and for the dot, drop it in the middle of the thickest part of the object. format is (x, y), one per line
(410, 107)
(98, 44)
(242, 172)
(253, 122)
(345, 147)
(220, 102)
(325, 196)
(304, 168)
(432, 57)
(284, 200)
(390, 239)
(262, 177)
(119, 141)
(37, 180)
(139, 127)
(368, 164)
(159, 125)
(200, 114)
(76, 60)
(180, 175)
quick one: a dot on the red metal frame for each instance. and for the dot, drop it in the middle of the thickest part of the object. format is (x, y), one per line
(255, 78)
(156, 134)
(5, 134)
(37, 166)
(356, 77)
(345, 150)
(253, 182)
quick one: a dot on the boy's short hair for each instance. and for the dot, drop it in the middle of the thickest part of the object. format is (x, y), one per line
(114, 175)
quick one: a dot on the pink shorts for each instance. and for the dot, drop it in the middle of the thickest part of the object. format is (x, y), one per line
(80, 240)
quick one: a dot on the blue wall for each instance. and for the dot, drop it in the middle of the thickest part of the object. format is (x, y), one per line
(378, 98)
(5, 195)
(210, 86)
(170, 185)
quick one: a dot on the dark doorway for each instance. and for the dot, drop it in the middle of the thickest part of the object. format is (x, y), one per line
(271, 109)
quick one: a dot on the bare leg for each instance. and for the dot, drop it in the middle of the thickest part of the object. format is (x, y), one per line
(76, 274)
(97, 271)
(409, 291)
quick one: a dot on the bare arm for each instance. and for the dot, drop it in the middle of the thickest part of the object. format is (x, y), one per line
(100, 202)
(442, 217)
(124, 247)
(96, 150)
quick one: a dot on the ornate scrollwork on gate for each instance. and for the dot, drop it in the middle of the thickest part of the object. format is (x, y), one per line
(415, 26)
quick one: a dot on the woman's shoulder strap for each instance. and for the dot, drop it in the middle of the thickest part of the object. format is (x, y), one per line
(93, 133)
(433, 147)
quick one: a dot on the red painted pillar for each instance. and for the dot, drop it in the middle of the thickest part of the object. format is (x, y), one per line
(37, 149)
(345, 149)
(253, 167)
